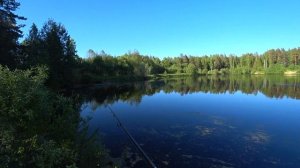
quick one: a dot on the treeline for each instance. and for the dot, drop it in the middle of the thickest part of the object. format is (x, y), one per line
(53, 47)
(101, 65)
(133, 92)
(272, 61)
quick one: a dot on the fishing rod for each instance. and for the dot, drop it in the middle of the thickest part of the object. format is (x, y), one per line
(147, 158)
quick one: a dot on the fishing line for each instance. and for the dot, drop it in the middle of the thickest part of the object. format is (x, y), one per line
(147, 158)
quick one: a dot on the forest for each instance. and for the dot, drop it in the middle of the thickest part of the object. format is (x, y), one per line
(40, 127)
(51, 46)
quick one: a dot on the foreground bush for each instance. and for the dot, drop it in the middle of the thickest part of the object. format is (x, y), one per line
(39, 128)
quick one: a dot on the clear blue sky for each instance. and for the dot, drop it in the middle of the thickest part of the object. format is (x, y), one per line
(170, 27)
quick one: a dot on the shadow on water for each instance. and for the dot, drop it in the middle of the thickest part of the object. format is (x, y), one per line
(213, 121)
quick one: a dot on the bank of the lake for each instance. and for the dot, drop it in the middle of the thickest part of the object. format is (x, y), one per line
(94, 79)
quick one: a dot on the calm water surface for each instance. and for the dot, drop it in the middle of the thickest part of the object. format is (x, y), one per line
(214, 122)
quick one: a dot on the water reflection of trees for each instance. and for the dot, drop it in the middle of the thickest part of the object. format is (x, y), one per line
(271, 86)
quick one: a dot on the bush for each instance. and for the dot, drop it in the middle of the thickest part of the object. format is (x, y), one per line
(191, 69)
(240, 70)
(294, 68)
(213, 72)
(276, 69)
(202, 71)
(224, 71)
(39, 128)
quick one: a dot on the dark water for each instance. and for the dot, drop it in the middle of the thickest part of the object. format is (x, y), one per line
(237, 121)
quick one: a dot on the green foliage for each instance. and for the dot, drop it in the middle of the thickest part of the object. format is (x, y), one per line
(276, 69)
(39, 128)
(294, 67)
(10, 32)
(191, 69)
(213, 72)
(240, 70)
(91, 152)
(99, 67)
(53, 47)
(202, 71)
(224, 71)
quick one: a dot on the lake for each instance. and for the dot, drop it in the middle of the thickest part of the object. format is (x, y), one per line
(225, 121)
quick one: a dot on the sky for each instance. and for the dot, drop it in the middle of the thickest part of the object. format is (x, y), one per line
(167, 28)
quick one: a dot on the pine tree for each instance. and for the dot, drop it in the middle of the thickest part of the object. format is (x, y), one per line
(33, 49)
(9, 32)
(60, 53)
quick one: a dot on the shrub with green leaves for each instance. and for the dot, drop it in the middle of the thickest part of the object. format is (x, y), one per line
(276, 69)
(37, 127)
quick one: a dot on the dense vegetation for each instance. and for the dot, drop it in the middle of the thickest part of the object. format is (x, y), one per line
(133, 64)
(38, 126)
(53, 47)
(41, 128)
(65, 64)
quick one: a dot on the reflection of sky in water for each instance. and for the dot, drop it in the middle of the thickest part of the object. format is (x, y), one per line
(203, 129)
